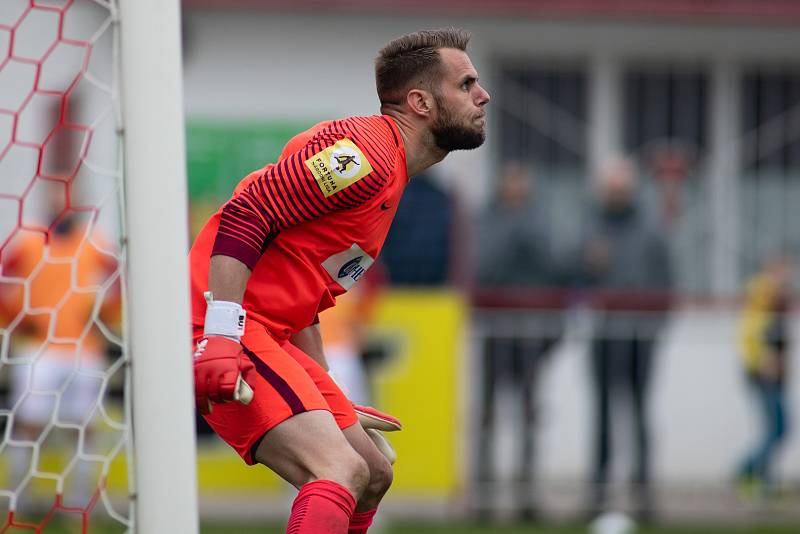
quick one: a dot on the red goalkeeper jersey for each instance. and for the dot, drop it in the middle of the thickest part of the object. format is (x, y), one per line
(308, 226)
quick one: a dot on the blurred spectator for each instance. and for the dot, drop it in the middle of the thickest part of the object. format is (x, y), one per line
(514, 256)
(57, 351)
(670, 165)
(625, 260)
(418, 248)
(515, 246)
(764, 346)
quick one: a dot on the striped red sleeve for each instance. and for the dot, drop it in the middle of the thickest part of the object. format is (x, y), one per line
(289, 193)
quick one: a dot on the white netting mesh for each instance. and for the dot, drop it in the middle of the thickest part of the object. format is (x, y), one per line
(63, 361)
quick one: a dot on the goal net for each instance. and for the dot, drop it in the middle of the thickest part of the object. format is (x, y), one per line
(67, 326)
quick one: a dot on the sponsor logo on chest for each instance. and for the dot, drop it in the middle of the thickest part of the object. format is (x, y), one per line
(347, 267)
(339, 166)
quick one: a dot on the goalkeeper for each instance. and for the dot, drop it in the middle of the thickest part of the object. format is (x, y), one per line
(294, 236)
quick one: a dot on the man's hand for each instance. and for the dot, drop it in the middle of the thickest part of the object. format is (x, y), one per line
(771, 368)
(220, 373)
(382, 444)
(374, 422)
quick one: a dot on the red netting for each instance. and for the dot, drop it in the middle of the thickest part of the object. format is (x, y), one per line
(37, 55)
(12, 522)
(60, 304)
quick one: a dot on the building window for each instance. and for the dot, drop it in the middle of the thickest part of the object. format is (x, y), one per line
(542, 114)
(771, 119)
(664, 104)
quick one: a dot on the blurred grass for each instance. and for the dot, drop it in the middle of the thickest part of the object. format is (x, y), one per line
(522, 528)
(576, 529)
(444, 528)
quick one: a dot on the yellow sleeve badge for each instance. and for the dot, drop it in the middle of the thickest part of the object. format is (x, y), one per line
(338, 166)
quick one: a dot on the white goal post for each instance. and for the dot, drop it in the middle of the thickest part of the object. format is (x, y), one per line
(97, 419)
(164, 452)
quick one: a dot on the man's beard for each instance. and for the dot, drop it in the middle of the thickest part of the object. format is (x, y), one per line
(449, 135)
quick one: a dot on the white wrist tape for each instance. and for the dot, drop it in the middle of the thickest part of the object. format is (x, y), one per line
(223, 318)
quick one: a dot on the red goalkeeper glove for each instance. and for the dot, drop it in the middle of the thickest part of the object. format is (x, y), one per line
(373, 421)
(220, 366)
(370, 417)
(220, 373)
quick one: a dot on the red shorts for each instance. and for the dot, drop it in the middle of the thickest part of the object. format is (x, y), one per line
(287, 382)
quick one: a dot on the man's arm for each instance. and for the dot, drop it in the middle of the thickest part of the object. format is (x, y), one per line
(220, 366)
(284, 195)
(227, 278)
(309, 340)
(289, 193)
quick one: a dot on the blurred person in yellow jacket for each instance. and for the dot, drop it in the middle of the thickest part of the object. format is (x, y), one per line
(57, 282)
(764, 346)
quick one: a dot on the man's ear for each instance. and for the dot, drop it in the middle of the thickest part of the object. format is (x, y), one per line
(420, 102)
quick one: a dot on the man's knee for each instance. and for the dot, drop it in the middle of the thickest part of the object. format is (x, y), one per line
(353, 472)
(380, 476)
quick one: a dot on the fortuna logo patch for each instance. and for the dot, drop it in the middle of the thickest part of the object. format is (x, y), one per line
(338, 166)
(347, 267)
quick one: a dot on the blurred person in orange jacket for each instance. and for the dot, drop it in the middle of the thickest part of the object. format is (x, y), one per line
(57, 283)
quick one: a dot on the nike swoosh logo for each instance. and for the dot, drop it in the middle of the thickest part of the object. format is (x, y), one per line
(385, 206)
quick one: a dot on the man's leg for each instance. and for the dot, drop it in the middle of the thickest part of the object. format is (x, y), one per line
(289, 427)
(309, 451)
(642, 363)
(31, 415)
(493, 350)
(601, 382)
(380, 470)
(642, 351)
(380, 478)
(532, 355)
(774, 429)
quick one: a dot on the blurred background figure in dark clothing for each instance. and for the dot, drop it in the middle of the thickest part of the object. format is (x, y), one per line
(515, 245)
(670, 167)
(515, 255)
(418, 250)
(764, 346)
(626, 263)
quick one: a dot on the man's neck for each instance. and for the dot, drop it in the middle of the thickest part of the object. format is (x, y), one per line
(421, 150)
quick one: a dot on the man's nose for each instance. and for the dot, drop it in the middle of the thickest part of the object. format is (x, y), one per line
(483, 96)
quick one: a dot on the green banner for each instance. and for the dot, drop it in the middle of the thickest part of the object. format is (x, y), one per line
(220, 153)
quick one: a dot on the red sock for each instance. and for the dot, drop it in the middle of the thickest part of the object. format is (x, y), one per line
(321, 507)
(361, 521)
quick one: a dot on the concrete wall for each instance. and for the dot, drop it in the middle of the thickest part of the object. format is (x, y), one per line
(260, 64)
(703, 416)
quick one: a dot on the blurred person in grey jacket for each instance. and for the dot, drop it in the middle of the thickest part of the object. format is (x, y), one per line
(625, 261)
(515, 248)
(515, 259)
